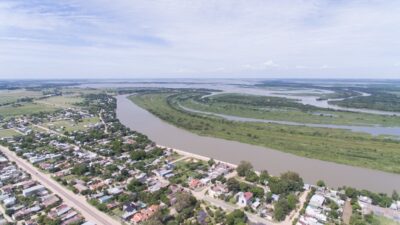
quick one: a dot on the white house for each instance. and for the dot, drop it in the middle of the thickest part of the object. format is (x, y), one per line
(244, 198)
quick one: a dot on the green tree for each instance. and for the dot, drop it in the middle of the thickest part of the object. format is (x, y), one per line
(211, 162)
(243, 168)
(320, 183)
(138, 155)
(184, 200)
(236, 217)
(292, 201)
(281, 209)
(233, 185)
(80, 169)
(264, 176)
(251, 176)
(395, 196)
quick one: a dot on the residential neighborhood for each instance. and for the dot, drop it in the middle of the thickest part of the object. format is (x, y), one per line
(127, 177)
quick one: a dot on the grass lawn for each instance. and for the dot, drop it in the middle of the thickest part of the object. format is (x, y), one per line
(69, 126)
(24, 109)
(8, 133)
(335, 145)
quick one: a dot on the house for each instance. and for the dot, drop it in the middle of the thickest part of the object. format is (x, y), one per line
(145, 214)
(141, 177)
(244, 198)
(275, 197)
(37, 159)
(105, 198)
(316, 213)
(194, 183)
(256, 204)
(49, 200)
(114, 191)
(218, 190)
(88, 223)
(138, 217)
(365, 199)
(317, 201)
(33, 190)
(97, 185)
(80, 187)
(8, 202)
(60, 210)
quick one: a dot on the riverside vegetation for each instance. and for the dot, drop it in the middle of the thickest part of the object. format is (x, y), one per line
(335, 145)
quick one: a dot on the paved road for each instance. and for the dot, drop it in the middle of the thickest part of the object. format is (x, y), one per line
(73, 200)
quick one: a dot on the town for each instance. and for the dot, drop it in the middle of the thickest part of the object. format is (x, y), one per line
(80, 165)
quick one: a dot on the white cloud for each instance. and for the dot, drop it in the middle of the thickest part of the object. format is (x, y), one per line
(215, 37)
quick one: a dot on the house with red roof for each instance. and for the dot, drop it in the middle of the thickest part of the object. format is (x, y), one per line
(244, 198)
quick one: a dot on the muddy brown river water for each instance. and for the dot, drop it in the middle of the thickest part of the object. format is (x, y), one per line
(274, 161)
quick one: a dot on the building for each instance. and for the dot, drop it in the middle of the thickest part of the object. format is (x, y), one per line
(317, 201)
(33, 190)
(244, 199)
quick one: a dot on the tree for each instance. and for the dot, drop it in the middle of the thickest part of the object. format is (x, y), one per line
(281, 209)
(135, 186)
(184, 200)
(233, 185)
(351, 192)
(152, 221)
(236, 217)
(292, 201)
(211, 162)
(80, 169)
(395, 196)
(264, 176)
(138, 155)
(293, 181)
(320, 183)
(251, 176)
(243, 168)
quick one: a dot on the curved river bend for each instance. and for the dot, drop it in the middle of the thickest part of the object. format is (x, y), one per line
(274, 161)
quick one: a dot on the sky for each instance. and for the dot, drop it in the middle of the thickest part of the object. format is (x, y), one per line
(98, 39)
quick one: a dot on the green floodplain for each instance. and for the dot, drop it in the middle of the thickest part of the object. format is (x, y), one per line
(335, 145)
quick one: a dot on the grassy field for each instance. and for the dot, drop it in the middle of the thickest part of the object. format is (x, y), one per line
(333, 145)
(61, 101)
(69, 126)
(24, 109)
(221, 104)
(8, 133)
(10, 96)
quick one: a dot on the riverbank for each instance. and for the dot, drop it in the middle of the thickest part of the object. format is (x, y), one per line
(275, 162)
(333, 145)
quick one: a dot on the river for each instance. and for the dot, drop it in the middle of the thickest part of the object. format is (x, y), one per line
(274, 161)
(373, 130)
(240, 86)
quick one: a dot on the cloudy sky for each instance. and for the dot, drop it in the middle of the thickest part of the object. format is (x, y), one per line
(199, 38)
